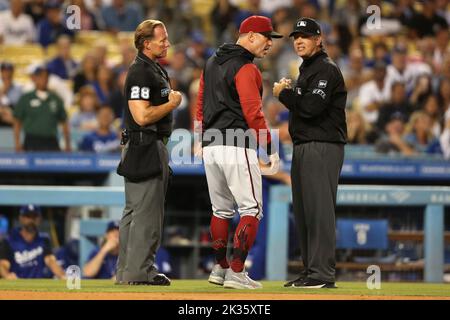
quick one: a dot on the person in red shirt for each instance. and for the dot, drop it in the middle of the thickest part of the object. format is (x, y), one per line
(232, 125)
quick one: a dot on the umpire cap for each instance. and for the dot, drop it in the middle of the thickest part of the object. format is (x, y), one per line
(307, 27)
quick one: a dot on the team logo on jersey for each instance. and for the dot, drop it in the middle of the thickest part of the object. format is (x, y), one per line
(322, 84)
(35, 103)
(27, 256)
(53, 106)
(165, 92)
(299, 91)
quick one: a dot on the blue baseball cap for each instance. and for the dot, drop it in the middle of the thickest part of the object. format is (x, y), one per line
(29, 209)
(113, 225)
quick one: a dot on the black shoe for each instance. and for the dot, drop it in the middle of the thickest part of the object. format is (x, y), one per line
(159, 280)
(291, 282)
(309, 283)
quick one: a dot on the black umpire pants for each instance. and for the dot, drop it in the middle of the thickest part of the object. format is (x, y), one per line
(315, 171)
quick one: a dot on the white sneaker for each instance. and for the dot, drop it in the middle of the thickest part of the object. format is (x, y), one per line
(240, 280)
(217, 275)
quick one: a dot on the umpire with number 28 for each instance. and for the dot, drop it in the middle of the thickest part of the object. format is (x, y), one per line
(318, 129)
(144, 162)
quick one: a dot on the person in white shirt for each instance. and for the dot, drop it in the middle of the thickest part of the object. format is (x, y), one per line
(374, 93)
(403, 71)
(445, 141)
(16, 28)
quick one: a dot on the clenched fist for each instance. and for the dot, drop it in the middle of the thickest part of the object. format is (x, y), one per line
(175, 98)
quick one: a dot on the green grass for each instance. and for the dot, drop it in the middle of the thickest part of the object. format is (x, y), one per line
(202, 286)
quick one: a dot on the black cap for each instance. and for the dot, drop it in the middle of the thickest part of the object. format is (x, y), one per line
(397, 115)
(38, 68)
(112, 225)
(30, 209)
(306, 26)
(6, 66)
(53, 4)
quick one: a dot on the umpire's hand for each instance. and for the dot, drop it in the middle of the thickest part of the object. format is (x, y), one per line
(280, 86)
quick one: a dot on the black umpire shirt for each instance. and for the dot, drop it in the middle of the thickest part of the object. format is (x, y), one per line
(317, 102)
(147, 80)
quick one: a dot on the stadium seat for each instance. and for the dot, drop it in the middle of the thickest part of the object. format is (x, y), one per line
(362, 234)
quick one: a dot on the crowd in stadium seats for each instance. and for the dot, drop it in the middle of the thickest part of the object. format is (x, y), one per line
(397, 75)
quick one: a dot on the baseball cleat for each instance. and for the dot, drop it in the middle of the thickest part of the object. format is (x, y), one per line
(159, 280)
(240, 280)
(309, 283)
(217, 275)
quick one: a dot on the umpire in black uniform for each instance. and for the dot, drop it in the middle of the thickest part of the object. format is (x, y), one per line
(144, 163)
(318, 129)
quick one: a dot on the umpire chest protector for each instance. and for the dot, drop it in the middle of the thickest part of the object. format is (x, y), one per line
(146, 80)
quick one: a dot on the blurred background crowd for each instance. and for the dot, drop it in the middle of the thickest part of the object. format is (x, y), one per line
(397, 69)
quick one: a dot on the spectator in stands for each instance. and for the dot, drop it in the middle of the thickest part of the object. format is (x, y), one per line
(374, 93)
(355, 74)
(444, 97)
(38, 113)
(356, 127)
(63, 65)
(88, 20)
(445, 140)
(100, 52)
(10, 93)
(68, 255)
(26, 251)
(198, 50)
(121, 16)
(16, 27)
(419, 134)
(117, 99)
(128, 54)
(392, 141)
(104, 139)
(103, 85)
(35, 9)
(222, 17)
(180, 70)
(442, 10)
(334, 50)
(85, 117)
(397, 104)
(52, 26)
(87, 72)
(95, 7)
(422, 89)
(253, 7)
(380, 52)
(102, 261)
(432, 108)
(441, 49)
(428, 21)
(404, 71)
